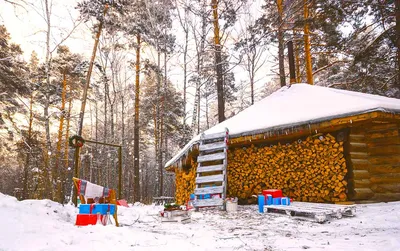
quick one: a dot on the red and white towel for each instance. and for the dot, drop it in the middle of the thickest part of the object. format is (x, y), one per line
(90, 190)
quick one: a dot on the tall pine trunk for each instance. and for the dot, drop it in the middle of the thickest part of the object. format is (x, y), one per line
(84, 99)
(136, 125)
(25, 189)
(218, 63)
(58, 172)
(281, 46)
(158, 139)
(307, 45)
(66, 147)
(200, 51)
(47, 100)
(297, 57)
(397, 9)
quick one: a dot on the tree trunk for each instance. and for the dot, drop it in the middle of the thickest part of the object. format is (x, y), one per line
(397, 4)
(218, 63)
(89, 74)
(66, 149)
(162, 150)
(84, 98)
(96, 153)
(252, 72)
(281, 47)
(185, 51)
(297, 57)
(59, 173)
(207, 116)
(25, 192)
(136, 125)
(47, 94)
(292, 68)
(307, 46)
(200, 51)
(158, 122)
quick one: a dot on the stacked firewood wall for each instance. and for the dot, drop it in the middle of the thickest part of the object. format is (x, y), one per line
(185, 183)
(310, 170)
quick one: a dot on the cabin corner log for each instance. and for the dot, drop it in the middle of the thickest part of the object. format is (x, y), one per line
(375, 161)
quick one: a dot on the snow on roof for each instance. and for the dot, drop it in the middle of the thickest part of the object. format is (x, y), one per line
(297, 104)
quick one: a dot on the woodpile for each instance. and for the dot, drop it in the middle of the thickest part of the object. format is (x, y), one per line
(310, 170)
(185, 183)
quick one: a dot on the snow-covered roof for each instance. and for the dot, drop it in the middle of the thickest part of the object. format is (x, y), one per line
(297, 104)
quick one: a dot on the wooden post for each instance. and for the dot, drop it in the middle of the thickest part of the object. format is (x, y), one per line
(307, 46)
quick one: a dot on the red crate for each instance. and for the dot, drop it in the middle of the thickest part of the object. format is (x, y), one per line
(276, 193)
(87, 219)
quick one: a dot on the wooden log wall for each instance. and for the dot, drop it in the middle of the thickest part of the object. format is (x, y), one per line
(185, 182)
(310, 170)
(375, 162)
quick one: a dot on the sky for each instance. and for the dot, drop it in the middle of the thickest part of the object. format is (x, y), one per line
(26, 27)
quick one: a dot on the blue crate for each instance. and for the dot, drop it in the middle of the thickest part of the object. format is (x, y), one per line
(261, 202)
(269, 200)
(285, 201)
(276, 201)
(97, 208)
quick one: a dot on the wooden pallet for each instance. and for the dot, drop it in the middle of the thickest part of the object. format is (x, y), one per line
(178, 219)
(318, 211)
(163, 200)
(179, 216)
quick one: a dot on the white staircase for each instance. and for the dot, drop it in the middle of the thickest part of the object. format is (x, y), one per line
(211, 180)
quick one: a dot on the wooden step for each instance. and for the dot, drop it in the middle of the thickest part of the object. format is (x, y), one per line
(208, 202)
(210, 157)
(209, 190)
(203, 169)
(210, 178)
(213, 136)
(212, 147)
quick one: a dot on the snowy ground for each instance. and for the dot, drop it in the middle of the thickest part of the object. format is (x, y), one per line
(46, 225)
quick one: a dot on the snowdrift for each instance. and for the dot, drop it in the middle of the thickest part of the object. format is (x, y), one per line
(46, 225)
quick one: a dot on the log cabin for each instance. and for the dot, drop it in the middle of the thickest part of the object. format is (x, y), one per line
(316, 143)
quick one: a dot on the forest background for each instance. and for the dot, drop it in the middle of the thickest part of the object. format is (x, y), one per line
(165, 71)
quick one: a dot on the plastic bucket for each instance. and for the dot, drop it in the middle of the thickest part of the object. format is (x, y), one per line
(231, 206)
